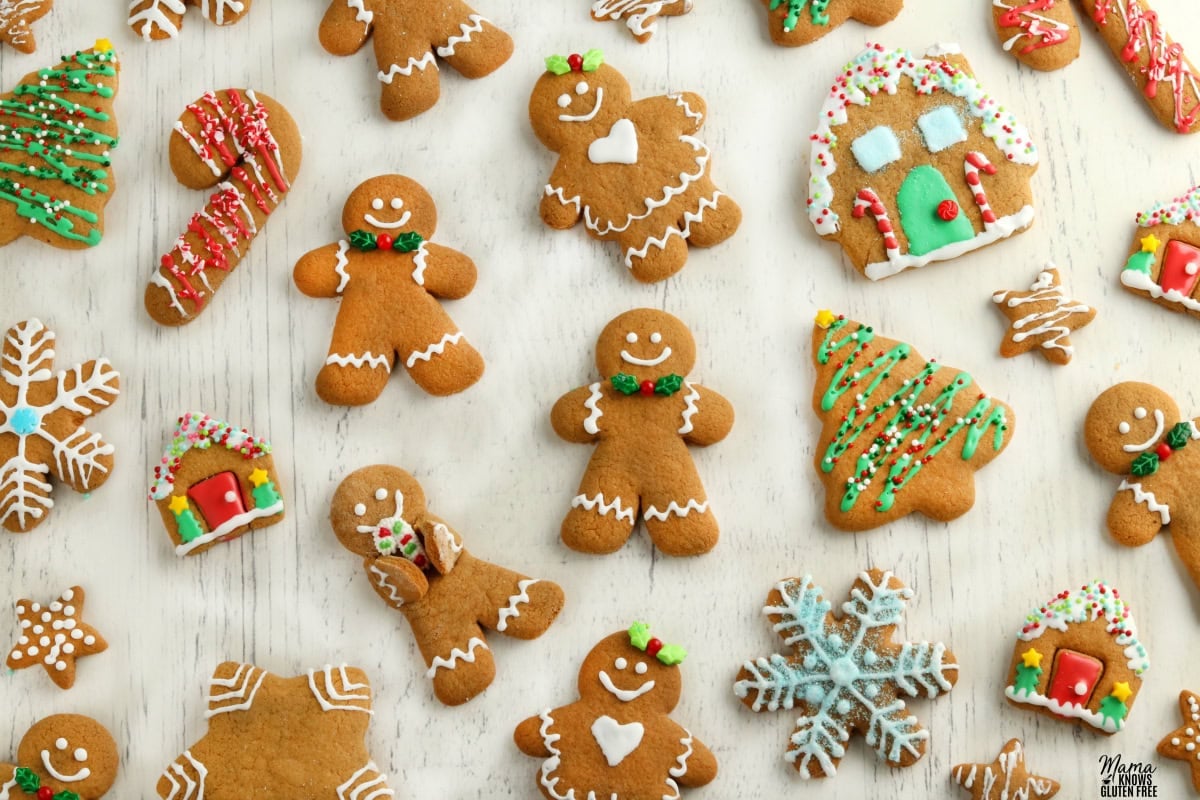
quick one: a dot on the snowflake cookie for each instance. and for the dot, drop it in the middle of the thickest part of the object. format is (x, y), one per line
(1183, 743)
(53, 636)
(1006, 778)
(41, 425)
(63, 757)
(846, 675)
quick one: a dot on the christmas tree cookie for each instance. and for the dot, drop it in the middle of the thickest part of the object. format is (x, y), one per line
(1078, 658)
(214, 483)
(900, 433)
(57, 129)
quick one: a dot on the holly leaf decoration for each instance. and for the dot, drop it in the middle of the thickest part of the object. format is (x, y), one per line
(27, 780)
(1179, 435)
(668, 385)
(672, 654)
(363, 240)
(1144, 465)
(624, 383)
(407, 242)
(592, 60)
(558, 65)
(639, 635)
(66, 796)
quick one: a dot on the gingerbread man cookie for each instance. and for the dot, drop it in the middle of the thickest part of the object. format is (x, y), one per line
(1135, 429)
(633, 171)
(63, 757)
(417, 564)
(618, 740)
(641, 416)
(407, 34)
(390, 278)
(792, 23)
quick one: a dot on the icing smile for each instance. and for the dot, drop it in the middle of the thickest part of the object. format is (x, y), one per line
(360, 510)
(396, 204)
(1146, 445)
(58, 776)
(646, 362)
(624, 695)
(589, 116)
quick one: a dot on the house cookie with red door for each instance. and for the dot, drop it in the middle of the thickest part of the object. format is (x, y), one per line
(1165, 262)
(1077, 657)
(913, 162)
(214, 483)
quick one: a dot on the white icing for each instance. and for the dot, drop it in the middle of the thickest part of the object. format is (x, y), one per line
(687, 109)
(620, 663)
(1044, 289)
(581, 87)
(555, 191)
(381, 580)
(396, 203)
(617, 741)
(1159, 424)
(419, 265)
(1002, 228)
(381, 493)
(597, 504)
(365, 784)
(641, 668)
(362, 15)
(332, 699)
(229, 525)
(240, 689)
(192, 789)
(366, 359)
(590, 115)
(680, 768)
(624, 695)
(1140, 496)
(1140, 413)
(456, 655)
(160, 281)
(511, 610)
(592, 405)
(62, 776)
(620, 146)
(407, 70)
(689, 408)
(631, 337)
(340, 266)
(1123, 428)
(474, 24)
(435, 349)
(1072, 710)
(152, 16)
(674, 508)
(641, 13)
(1136, 279)
(604, 227)
(646, 362)
(370, 219)
(564, 100)
(661, 241)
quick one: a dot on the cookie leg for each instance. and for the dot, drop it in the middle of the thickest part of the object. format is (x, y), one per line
(471, 44)
(715, 219)
(679, 521)
(654, 254)
(408, 72)
(602, 515)
(461, 670)
(1186, 539)
(522, 607)
(442, 361)
(356, 369)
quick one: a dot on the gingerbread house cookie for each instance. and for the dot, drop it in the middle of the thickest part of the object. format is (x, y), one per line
(215, 482)
(1078, 658)
(1165, 261)
(913, 162)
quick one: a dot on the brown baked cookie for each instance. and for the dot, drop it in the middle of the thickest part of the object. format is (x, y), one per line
(640, 16)
(1042, 318)
(1135, 429)
(1183, 743)
(41, 425)
(59, 129)
(927, 165)
(1077, 658)
(390, 277)
(1154, 61)
(16, 18)
(161, 19)
(214, 483)
(246, 147)
(792, 23)
(273, 737)
(1041, 34)
(633, 171)
(63, 757)
(641, 415)
(407, 33)
(618, 739)
(53, 637)
(1165, 263)
(1006, 778)
(417, 564)
(899, 433)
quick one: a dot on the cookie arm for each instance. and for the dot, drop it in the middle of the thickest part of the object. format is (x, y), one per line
(707, 416)
(1136, 514)
(444, 272)
(529, 739)
(443, 544)
(697, 769)
(675, 114)
(323, 272)
(345, 27)
(578, 416)
(561, 205)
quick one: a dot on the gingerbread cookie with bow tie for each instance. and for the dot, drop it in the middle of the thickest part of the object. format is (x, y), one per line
(63, 757)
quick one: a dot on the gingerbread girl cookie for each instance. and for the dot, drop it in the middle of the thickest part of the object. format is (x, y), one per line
(63, 757)
(618, 740)
(1135, 429)
(641, 416)
(390, 278)
(407, 34)
(417, 564)
(633, 171)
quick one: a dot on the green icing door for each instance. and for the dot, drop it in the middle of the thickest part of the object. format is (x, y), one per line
(920, 196)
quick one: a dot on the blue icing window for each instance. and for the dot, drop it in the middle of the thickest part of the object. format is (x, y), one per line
(876, 148)
(941, 128)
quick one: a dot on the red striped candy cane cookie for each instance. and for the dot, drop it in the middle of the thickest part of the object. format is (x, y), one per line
(868, 200)
(246, 147)
(974, 163)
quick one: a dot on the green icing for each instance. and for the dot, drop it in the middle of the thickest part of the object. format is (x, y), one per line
(668, 385)
(1141, 261)
(1144, 465)
(1027, 679)
(918, 199)
(189, 528)
(816, 12)
(624, 383)
(911, 421)
(265, 495)
(639, 635)
(1114, 709)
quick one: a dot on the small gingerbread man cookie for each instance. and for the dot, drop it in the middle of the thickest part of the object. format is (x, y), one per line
(618, 740)
(792, 23)
(63, 757)
(1005, 778)
(640, 16)
(390, 278)
(417, 564)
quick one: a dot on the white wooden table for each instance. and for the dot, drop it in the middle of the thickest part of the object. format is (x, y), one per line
(290, 597)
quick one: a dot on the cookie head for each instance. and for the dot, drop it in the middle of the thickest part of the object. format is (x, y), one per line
(633, 670)
(646, 343)
(374, 508)
(390, 204)
(577, 100)
(1127, 420)
(76, 752)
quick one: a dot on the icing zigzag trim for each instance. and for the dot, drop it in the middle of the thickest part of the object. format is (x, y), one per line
(435, 349)
(674, 508)
(597, 504)
(455, 656)
(511, 609)
(407, 70)
(474, 24)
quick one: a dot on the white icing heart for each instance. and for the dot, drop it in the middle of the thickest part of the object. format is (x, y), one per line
(616, 740)
(619, 147)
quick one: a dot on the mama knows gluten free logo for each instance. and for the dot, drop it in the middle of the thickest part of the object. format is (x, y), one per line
(1120, 778)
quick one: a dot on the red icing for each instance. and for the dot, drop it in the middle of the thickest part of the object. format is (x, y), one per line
(947, 210)
(1073, 671)
(575, 62)
(384, 241)
(209, 497)
(1181, 267)
(646, 388)
(653, 646)
(1023, 17)
(45, 793)
(1163, 450)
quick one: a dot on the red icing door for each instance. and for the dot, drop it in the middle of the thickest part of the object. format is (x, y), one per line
(218, 498)
(1075, 676)
(1181, 267)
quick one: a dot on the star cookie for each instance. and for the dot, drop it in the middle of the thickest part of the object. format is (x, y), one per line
(15, 19)
(1042, 317)
(54, 636)
(1003, 778)
(1183, 743)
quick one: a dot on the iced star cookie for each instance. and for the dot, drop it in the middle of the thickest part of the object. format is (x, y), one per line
(41, 425)
(418, 565)
(16, 18)
(155, 20)
(845, 675)
(1078, 658)
(618, 739)
(1042, 318)
(1165, 263)
(634, 172)
(63, 757)
(927, 167)
(1041, 34)
(273, 737)
(640, 16)
(1006, 778)
(792, 23)
(642, 414)
(1183, 743)
(390, 278)
(53, 637)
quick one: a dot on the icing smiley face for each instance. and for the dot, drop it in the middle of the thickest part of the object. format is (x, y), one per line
(627, 677)
(1127, 420)
(620, 665)
(71, 753)
(372, 512)
(573, 106)
(647, 344)
(390, 204)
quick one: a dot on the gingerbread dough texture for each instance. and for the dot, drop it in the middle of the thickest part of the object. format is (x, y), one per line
(641, 415)
(792, 23)
(390, 278)
(618, 739)
(406, 35)
(417, 564)
(62, 757)
(634, 172)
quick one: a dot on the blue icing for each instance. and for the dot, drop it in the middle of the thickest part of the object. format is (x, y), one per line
(876, 148)
(941, 128)
(24, 421)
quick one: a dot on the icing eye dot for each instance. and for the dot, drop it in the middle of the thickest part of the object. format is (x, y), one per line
(377, 204)
(564, 100)
(631, 337)
(381, 493)
(230, 497)
(581, 87)
(641, 668)
(1123, 427)
(1139, 413)
(61, 743)
(80, 754)
(396, 203)
(620, 663)
(359, 510)
(656, 337)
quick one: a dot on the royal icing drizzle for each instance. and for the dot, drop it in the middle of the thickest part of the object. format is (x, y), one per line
(456, 655)
(640, 15)
(1141, 496)
(1042, 31)
(511, 610)
(148, 17)
(598, 504)
(51, 124)
(906, 429)
(1048, 323)
(1006, 779)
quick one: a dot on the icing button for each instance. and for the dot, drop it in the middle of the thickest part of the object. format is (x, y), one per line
(947, 210)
